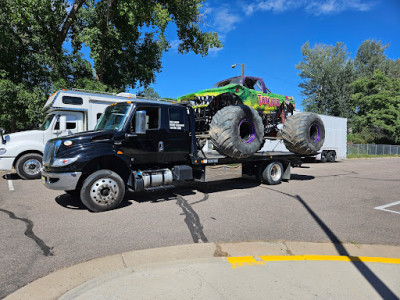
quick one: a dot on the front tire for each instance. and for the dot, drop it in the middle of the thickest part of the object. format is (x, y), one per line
(28, 166)
(237, 131)
(103, 190)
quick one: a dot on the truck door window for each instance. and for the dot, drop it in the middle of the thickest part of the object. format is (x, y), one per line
(71, 125)
(72, 100)
(152, 117)
(176, 119)
(258, 86)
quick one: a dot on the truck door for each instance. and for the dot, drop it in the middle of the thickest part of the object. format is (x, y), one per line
(177, 141)
(146, 148)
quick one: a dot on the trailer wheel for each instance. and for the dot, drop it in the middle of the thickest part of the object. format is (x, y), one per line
(28, 166)
(324, 156)
(237, 131)
(271, 173)
(103, 190)
(331, 157)
(304, 133)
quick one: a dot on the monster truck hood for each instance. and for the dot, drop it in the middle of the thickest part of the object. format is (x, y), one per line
(230, 88)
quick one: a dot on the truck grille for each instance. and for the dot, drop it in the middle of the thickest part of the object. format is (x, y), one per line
(50, 151)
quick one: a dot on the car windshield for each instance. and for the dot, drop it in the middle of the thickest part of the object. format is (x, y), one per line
(47, 122)
(113, 118)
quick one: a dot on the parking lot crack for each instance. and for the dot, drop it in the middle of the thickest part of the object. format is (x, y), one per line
(47, 251)
(192, 220)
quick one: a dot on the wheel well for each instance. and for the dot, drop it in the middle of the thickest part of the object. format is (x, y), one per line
(109, 162)
(225, 99)
(26, 152)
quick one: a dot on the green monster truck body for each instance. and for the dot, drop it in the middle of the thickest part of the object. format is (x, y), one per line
(239, 112)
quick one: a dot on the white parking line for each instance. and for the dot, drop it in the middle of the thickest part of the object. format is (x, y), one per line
(10, 185)
(383, 207)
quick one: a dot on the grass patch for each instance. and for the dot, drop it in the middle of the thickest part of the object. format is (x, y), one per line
(370, 155)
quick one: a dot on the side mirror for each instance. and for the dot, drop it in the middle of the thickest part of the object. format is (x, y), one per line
(140, 122)
(2, 132)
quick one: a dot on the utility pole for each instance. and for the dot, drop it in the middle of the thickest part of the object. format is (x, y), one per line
(233, 66)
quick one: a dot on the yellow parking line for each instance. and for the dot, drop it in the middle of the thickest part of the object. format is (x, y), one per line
(250, 260)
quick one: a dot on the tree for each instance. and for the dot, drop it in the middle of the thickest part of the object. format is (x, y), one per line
(327, 74)
(41, 45)
(377, 102)
(370, 57)
(149, 93)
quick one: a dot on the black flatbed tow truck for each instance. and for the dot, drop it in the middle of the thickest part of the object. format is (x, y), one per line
(140, 145)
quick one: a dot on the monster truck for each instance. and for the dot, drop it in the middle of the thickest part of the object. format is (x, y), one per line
(238, 113)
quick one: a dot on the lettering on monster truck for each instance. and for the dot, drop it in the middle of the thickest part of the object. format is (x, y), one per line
(265, 100)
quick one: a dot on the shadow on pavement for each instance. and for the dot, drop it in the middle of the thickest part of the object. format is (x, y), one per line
(11, 176)
(190, 188)
(366, 272)
(73, 202)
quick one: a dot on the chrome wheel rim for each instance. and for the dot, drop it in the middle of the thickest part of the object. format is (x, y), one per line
(276, 172)
(32, 167)
(104, 191)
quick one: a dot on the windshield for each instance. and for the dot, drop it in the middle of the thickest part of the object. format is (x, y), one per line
(113, 118)
(47, 122)
(234, 80)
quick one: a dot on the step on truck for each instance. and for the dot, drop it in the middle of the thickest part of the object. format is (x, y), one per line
(139, 145)
(67, 112)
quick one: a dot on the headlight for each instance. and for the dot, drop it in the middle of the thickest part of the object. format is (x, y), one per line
(2, 151)
(61, 162)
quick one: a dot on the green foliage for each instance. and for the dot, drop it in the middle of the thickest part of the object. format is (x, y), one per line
(149, 93)
(126, 39)
(377, 107)
(327, 74)
(366, 90)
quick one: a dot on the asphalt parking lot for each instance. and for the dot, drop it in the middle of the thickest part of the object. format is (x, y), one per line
(352, 201)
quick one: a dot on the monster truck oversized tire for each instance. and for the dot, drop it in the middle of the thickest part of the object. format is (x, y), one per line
(304, 133)
(237, 131)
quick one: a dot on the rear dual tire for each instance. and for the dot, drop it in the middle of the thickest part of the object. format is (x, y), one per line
(271, 173)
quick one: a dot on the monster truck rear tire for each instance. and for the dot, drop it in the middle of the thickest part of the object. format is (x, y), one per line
(304, 133)
(237, 131)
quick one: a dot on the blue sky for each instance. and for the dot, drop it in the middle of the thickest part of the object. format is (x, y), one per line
(267, 37)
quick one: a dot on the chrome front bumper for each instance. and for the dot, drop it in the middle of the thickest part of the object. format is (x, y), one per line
(61, 181)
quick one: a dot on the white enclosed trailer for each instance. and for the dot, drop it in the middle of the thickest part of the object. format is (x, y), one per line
(334, 147)
(67, 112)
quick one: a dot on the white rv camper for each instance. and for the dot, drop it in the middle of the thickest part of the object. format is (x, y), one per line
(67, 112)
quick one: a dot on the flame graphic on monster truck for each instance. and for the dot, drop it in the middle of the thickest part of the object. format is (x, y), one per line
(239, 112)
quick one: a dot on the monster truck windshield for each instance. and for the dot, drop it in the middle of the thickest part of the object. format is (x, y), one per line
(234, 80)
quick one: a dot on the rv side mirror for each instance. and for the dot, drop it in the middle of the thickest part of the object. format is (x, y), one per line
(2, 132)
(140, 122)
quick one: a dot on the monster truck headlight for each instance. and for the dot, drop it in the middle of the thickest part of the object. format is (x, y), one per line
(61, 162)
(3, 151)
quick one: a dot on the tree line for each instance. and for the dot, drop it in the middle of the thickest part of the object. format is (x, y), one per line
(43, 42)
(366, 89)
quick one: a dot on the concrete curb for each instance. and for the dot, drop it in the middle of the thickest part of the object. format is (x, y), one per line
(68, 279)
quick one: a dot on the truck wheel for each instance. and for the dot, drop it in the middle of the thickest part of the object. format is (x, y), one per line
(28, 166)
(304, 133)
(331, 156)
(237, 131)
(271, 173)
(103, 190)
(324, 156)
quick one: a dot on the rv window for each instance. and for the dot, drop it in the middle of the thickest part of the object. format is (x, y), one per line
(98, 116)
(72, 100)
(71, 125)
(57, 126)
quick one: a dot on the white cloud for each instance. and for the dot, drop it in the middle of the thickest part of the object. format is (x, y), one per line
(315, 7)
(225, 21)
